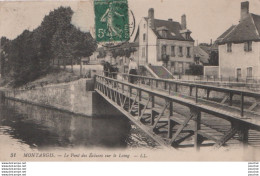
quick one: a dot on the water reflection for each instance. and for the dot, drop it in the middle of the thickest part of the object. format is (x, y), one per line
(44, 128)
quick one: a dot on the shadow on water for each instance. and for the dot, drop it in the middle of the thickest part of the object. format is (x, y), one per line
(44, 128)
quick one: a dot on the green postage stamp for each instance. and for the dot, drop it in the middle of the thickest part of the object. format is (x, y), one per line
(111, 21)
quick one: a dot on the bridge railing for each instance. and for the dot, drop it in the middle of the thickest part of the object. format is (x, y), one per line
(173, 85)
(169, 90)
(135, 93)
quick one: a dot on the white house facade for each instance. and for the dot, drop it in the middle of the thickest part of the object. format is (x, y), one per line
(239, 47)
(164, 40)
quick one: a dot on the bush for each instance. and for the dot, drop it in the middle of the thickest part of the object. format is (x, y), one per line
(196, 69)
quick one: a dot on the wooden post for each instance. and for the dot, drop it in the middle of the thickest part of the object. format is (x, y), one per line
(196, 93)
(152, 111)
(95, 81)
(169, 89)
(123, 88)
(242, 105)
(156, 83)
(129, 100)
(230, 98)
(170, 123)
(197, 120)
(208, 91)
(176, 87)
(165, 85)
(151, 83)
(190, 90)
(243, 135)
(80, 67)
(139, 104)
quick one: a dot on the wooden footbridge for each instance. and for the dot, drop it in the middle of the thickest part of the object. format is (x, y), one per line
(181, 114)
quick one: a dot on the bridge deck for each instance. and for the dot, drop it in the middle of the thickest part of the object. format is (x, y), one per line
(174, 119)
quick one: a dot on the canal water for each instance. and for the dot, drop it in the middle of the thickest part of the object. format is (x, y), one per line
(27, 127)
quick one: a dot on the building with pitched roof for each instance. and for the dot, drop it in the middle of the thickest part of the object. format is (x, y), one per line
(239, 47)
(164, 42)
(201, 57)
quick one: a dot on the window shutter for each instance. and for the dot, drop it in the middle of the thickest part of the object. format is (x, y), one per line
(250, 46)
(245, 46)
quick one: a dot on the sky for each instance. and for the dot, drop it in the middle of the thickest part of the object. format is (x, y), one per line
(207, 19)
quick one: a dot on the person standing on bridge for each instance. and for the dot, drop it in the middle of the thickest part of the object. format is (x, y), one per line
(132, 70)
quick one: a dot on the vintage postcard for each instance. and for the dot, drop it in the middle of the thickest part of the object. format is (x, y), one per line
(130, 80)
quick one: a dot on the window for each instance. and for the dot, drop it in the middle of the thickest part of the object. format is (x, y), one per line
(180, 65)
(180, 51)
(239, 74)
(248, 46)
(229, 47)
(249, 72)
(187, 35)
(143, 52)
(172, 51)
(164, 49)
(164, 33)
(188, 52)
(144, 37)
(187, 65)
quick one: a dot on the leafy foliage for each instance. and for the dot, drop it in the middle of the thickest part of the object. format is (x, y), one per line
(29, 55)
(101, 53)
(213, 60)
(123, 52)
(196, 69)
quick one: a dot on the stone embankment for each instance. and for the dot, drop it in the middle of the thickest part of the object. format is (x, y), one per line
(76, 97)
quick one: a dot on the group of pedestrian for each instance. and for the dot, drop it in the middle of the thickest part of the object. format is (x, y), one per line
(112, 70)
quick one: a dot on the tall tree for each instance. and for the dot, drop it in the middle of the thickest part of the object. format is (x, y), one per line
(52, 26)
(30, 54)
(4, 46)
(83, 45)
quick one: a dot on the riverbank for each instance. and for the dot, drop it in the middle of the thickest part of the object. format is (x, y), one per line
(76, 97)
(53, 77)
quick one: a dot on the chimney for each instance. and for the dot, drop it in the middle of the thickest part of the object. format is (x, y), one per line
(183, 22)
(244, 10)
(170, 19)
(151, 18)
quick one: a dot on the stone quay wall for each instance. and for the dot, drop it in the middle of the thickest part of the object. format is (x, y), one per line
(77, 97)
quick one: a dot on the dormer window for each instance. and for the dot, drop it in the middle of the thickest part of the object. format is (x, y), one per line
(187, 35)
(164, 33)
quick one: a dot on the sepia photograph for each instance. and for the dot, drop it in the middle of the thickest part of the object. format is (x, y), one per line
(130, 80)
